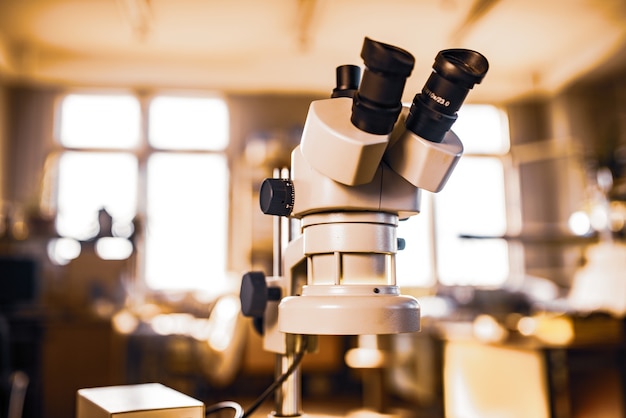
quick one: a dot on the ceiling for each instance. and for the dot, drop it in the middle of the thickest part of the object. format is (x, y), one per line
(535, 47)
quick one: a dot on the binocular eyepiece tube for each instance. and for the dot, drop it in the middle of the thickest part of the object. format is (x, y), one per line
(377, 100)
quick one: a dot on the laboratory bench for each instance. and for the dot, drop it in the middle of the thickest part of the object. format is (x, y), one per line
(544, 364)
(452, 357)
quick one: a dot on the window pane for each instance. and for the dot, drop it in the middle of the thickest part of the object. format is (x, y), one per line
(472, 203)
(99, 121)
(483, 129)
(89, 182)
(414, 263)
(188, 123)
(187, 210)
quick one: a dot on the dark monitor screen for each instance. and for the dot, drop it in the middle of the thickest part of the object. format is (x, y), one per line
(17, 281)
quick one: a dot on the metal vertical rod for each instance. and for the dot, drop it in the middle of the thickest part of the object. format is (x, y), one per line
(284, 235)
(277, 269)
(288, 396)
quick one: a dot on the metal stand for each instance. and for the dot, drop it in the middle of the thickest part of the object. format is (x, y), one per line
(288, 400)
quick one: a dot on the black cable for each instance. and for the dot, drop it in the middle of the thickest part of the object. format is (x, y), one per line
(281, 379)
(223, 405)
(239, 413)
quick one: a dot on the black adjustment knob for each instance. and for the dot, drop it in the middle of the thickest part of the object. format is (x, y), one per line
(255, 293)
(276, 197)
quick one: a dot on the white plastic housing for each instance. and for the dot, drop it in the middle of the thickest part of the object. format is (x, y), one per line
(423, 163)
(351, 278)
(350, 248)
(336, 148)
(349, 310)
(315, 192)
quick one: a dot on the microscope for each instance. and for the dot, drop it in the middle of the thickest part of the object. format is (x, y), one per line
(359, 169)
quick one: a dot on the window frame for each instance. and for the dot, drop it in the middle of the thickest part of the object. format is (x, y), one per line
(142, 153)
(512, 214)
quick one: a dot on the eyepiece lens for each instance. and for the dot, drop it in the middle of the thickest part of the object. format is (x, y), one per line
(385, 58)
(455, 72)
(348, 78)
(461, 65)
(377, 103)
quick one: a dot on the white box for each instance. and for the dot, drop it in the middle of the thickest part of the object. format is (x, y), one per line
(151, 400)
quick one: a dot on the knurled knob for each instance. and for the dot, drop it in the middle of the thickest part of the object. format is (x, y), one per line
(276, 197)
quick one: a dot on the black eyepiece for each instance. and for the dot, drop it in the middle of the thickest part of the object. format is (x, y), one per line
(455, 72)
(378, 101)
(461, 66)
(348, 78)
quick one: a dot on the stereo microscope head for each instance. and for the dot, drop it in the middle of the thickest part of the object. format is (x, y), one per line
(358, 170)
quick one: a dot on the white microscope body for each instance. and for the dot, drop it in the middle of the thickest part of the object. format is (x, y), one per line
(359, 169)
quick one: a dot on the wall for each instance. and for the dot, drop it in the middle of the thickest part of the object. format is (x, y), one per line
(597, 121)
(556, 143)
(3, 127)
(544, 169)
(30, 116)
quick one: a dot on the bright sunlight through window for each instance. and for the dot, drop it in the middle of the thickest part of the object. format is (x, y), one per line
(99, 121)
(471, 204)
(185, 210)
(188, 123)
(187, 221)
(414, 266)
(90, 181)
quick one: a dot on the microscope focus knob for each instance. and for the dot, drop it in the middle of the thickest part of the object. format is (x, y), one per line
(255, 294)
(276, 197)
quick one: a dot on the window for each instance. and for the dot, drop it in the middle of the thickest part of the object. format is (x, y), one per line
(186, 218)
(166, 167)
(98, 121)
(471, 204)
